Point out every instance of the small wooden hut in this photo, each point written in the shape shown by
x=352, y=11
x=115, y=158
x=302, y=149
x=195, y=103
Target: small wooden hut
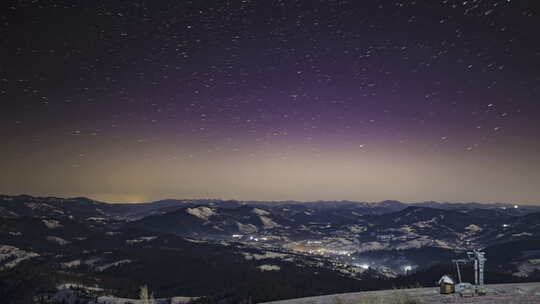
x=447, y=285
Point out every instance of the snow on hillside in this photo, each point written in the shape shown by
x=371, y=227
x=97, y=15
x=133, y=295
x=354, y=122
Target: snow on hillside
x=57, y=240
x=268, y=223
x=522, y=234
x=426, y=224
x=96, y=219
x=96, y=263
x=266, y=255
x=357, y=228
x=114, y=264
x=141, y=239
x=195, y=241
x=92, y=261
x=75, y=285
x=527, y=267
x=371, y=246
x=71, y=264
x=11, y=256
x=246, y=228
x=260, y=211
x=473, y=228
x=41, y=205
x=52, y=224
x=442, y=244
x=269, y=268
x=201, y=212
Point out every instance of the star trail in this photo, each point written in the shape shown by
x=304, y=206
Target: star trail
x=131, y=101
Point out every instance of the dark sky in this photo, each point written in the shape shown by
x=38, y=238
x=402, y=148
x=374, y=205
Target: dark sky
x=130, y=101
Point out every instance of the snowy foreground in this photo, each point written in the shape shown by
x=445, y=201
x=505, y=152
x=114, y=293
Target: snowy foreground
x=521, y=293
x=114, y=300
x=66, y=294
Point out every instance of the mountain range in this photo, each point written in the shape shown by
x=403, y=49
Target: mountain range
x=261, y=250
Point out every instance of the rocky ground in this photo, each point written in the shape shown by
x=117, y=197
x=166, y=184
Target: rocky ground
x=522, y=293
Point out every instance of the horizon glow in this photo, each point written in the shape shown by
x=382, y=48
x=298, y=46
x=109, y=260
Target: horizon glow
x=137, y=102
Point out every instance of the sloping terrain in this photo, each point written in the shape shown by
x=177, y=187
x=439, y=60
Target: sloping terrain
x=523, y=293
x=232, y=251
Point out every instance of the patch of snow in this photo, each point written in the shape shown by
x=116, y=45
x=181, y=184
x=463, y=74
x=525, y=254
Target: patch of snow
x=34, y=206
x=114, y=264
x=522, y=234
x=406, y=229
x=269, y=268
x=92, y=261
x=195, y=241
x=246, y=228
x=218, y=228
x=268, y=223
x=181, y=300
x=260, y=211
x=266, y=255
x=422, y=241
x=57, y=240
x=52, y=224
x=141, y=239
x=473, y=228
x=201, y=212
x=443, y=244
x=369, y=246
x=357, y=228
x=96, y=219
x=75, y=285
x=11, y=256
x=426, y=224
x=71, y=264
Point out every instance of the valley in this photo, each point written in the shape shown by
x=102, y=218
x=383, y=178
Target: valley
x=259, y=250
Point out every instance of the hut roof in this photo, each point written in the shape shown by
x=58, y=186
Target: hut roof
x=446, y=279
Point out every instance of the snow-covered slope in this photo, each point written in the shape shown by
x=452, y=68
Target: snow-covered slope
x=497, y=294
x=11, y=256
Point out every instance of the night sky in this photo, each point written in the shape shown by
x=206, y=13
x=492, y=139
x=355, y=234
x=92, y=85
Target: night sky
x=131, y=101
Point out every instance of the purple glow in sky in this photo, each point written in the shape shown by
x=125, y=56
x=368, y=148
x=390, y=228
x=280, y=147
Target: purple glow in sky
x=271, y=100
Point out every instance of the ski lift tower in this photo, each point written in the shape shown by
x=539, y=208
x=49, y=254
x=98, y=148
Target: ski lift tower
x=478, y=258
